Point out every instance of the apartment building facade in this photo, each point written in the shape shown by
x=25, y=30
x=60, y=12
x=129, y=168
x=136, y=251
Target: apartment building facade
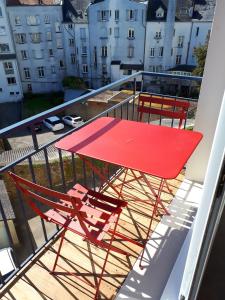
x=101, y=40
x=10, y=83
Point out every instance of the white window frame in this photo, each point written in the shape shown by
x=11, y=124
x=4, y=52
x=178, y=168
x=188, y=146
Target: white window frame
x=1, y=15
x=59, y=43
x=117, y=15
x=26, y=73
x=21, y=38
x=180, y=42
x=35, y=37
x=131, y=33
x=8, y=67
x=85, y=68
x=73, y=58
x=53, y=70
x=71, y=42
x=161, y=50
x=2, y=30
x=17, y=20
x=57, y=27
x=6, y=46
x=12, y=79
x=104, y=51
x=49, y=36
x=61, y=64
x=152, y=52
x=116, y=32
x=33, y=20
x=24, y=54
x=178, y=59
x=130, y=53
x=158, y=35
x=50, y=52
x=41, y=72
x=47, y=19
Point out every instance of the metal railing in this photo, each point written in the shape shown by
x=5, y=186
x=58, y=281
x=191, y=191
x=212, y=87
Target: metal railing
x=67, y=169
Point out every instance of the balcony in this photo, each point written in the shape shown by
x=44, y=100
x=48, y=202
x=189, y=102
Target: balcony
x=36, y=241
x=34, y=248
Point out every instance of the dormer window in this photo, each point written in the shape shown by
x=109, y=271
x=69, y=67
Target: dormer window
x=160, y=12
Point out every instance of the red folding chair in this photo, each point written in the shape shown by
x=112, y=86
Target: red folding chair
x=85, y=212
x=166, y=107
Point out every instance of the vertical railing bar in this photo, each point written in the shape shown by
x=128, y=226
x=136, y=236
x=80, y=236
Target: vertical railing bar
x=34, y=137
x=48, y=168
x=114, y=113
x=25, y=218
x=74, y=168
x=121, y=112
x=62, y=170
x=127, y=110
x=93, y=180
x=34, y=180
x=134, y=93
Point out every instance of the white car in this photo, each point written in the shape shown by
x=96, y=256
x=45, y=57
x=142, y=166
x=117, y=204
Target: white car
x=53, y=123
x=73, y=121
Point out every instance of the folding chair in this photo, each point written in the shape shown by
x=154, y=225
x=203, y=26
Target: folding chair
x=166, y=107
x=85, y=212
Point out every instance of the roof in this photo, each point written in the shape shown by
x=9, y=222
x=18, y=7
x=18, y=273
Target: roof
x=131, y=67
x=5, y=202
x=185, y=10
x=32, y=2
x=184, y=68
x=75, y=10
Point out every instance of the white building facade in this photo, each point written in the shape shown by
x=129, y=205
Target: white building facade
x=10, y=83
x=38, y=36
x=100, y=41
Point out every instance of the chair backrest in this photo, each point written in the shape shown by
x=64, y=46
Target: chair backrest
x=166, y=107
x=34, y=193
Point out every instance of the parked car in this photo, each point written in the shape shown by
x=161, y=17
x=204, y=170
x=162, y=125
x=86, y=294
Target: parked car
x=53, y=123
x=73, y=120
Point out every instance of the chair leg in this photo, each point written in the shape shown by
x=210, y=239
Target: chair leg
x=106, y=259
x=59, y=250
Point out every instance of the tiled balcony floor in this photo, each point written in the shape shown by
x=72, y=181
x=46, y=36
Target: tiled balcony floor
x=37, y=283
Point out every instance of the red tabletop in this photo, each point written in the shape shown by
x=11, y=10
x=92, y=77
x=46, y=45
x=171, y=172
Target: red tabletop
x=156, y=150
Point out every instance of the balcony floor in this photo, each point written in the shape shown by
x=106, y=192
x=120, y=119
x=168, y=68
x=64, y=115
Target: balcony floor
x=36, y=282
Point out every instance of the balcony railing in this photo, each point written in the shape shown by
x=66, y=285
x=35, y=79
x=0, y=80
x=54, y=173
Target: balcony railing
x=44, y=164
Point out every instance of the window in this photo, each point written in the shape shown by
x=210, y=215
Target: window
x=130, y=52
x=152, y=52
x=83, y=33
x=158, y=35
x=104, y=51
x=103, y=15
x=57, y=27
x=130, y=33
x=171, y=51
x=160, y=12
x=131, y=15
x=0, y=12
x=41, y=72
x=104, y=69
x=35, y=37
x=70, y=26
x=26, y=73
x=178, y=59
x=11, y=93
x=161, y=51
x=84, y=50
x=8, y=66
x=180, y=41
x=117, y=15
x=38, y=53
x=17, y=20
x=29, y=87
x=33, y=20
x=127, y=72
x=85, y=68
x=47, y=19
x=95, y=57
x=59, y=43
x=116, y=32
x=197, y=31
x=24, y=54
x=61, y=63
x=53, y=69
x=11, y=80
x=73, y=58
x=20, y=38
x=2, y=30
x=50, y=52
x=71, y=42
x=4, y=48
x=49, y=35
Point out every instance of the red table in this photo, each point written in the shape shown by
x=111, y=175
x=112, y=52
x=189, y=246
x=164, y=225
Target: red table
x=149, y=149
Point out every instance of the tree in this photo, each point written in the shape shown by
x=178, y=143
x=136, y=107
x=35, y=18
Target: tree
x=200, y=55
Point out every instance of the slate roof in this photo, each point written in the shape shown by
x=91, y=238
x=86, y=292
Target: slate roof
x=75, y=10
x=185, y=10
x=131, y=67
x=31, y=2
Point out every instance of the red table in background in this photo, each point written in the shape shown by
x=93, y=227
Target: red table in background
x=149, y=149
